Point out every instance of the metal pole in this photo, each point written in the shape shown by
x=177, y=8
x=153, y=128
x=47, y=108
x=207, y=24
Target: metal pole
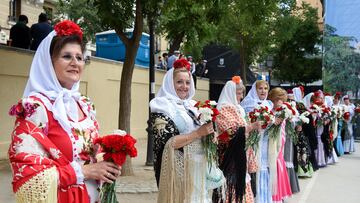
x=150, y=143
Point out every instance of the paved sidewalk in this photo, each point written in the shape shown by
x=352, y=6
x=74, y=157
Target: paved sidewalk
x=130, y=189
x=332, y=184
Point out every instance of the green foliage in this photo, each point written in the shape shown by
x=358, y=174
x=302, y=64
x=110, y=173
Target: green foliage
x=296, y=35
x=247, y=26
x=83, y=13
x=190, y=22
x=116, y=13
x=341, y=62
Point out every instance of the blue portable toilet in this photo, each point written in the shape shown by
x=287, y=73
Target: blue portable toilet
x=109, y=46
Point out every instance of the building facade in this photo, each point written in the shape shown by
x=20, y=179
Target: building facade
x=319, y=6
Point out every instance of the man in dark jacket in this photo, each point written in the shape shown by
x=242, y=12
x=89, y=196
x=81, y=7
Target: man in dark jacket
x=20, y=33
x=39, y=31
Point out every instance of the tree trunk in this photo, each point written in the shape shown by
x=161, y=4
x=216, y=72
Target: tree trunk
x=243, y=64
x=131, y=46
x=125, y=100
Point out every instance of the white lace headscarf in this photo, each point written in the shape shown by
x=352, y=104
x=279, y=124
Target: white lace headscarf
x=297, y=94
x=307, y=100
x=43, y=80
x=252, y=100
x=329, y=101
x=167, y=92
x=228, y=97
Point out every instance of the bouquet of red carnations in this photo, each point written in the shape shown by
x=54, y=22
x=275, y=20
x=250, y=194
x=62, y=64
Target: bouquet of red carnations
x=287, y=111
x=265, y=116
x=116, y=147
x=208, y=113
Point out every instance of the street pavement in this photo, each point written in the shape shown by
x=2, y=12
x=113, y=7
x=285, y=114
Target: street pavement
x=333, y=184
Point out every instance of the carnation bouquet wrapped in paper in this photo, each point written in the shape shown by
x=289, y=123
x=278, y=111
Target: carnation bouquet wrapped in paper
x=115, y=147
x=208, y=113
x=259, y=114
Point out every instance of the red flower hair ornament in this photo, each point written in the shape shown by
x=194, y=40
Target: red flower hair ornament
x=182, y=63
x=236, y=79
x=67, y=28
x=337, y=95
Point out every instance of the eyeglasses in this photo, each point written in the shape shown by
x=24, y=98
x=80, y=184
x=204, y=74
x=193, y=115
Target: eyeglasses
x=69, y=58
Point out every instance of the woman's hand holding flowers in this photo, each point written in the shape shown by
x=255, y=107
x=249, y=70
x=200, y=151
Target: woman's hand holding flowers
x=205, y=130
x=278, y=121
x=103, y=170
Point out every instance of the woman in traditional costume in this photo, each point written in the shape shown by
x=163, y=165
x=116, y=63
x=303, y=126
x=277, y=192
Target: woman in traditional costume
x=338, y=144
x=52, y=153
x=232, y=130
x=180, y=164
x=348, y=141
x=279, y=178
x=260, y=181
x=302, y=164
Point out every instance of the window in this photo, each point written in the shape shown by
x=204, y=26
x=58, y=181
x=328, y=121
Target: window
x=14, y=9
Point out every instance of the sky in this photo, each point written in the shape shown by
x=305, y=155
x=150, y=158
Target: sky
x=344, y=15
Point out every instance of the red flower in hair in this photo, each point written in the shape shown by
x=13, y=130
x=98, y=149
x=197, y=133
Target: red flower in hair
x=182, y=63
x=236, y=79
x=290, y=91
x=337, y=95
x=67, y=28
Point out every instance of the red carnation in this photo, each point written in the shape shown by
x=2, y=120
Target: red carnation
x=67, y=28
x=279, y=109
x=215, y=114
x=346, y=116
x=197, y=104
x=357, y=109
x=224, y=137
x=182, y=63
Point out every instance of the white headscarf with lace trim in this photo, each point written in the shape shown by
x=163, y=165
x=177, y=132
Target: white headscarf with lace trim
x=228, y=97
x=329, y=101
x=166, y=97
x=307, y=100
x=297, y=94
x=252, y=100
x=43, y=80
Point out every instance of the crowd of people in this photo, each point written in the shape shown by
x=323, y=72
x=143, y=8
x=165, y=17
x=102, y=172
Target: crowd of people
x=197, y=69
x=265, y=141
x=22, y=36
x=261, y=150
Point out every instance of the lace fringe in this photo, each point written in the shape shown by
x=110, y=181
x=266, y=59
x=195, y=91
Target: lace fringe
x=42, y=188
